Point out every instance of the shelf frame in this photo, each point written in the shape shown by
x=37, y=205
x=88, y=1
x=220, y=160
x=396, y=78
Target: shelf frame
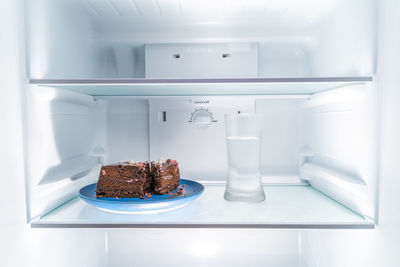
x=202, y=87
x=281, y=210
x=207, y=226
x=352, y=79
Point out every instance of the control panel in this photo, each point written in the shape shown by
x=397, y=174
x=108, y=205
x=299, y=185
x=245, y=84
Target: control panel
x=202, y=117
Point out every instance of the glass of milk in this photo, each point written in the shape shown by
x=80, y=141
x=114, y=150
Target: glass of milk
x=243, y=140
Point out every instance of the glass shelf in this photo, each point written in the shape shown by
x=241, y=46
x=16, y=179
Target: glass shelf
x=177, y=87
x=286, y=206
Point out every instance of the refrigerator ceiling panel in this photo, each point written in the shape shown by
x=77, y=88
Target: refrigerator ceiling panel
x=106, y=38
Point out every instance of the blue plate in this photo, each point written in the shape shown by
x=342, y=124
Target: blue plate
x=156, y=203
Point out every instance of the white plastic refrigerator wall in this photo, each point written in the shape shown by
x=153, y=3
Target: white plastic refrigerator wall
x=61, y=122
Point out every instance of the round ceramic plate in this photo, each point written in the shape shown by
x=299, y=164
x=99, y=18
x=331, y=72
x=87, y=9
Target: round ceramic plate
x=156, y=203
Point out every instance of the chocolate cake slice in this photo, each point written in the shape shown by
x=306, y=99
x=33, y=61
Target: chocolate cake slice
x=165, y=175
x=126, y=179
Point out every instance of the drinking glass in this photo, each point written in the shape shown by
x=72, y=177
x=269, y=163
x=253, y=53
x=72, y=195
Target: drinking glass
x=243, y=139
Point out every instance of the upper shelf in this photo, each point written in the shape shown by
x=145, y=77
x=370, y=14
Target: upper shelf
x=177, y=87
x=286, y=206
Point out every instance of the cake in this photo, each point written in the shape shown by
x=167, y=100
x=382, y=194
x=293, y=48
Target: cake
x=130, y=179
x=165, y=175
x=127, y=179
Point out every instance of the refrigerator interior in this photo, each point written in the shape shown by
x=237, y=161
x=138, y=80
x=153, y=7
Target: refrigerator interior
x=135, y=80
x=106, y=247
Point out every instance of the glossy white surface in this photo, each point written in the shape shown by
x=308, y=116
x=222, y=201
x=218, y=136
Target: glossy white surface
x=284, y=207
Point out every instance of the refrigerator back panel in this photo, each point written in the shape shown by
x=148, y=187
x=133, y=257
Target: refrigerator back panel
x=107, y=38
x=192, y=131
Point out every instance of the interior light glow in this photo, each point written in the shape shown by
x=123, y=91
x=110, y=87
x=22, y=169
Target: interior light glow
x=204, y=248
